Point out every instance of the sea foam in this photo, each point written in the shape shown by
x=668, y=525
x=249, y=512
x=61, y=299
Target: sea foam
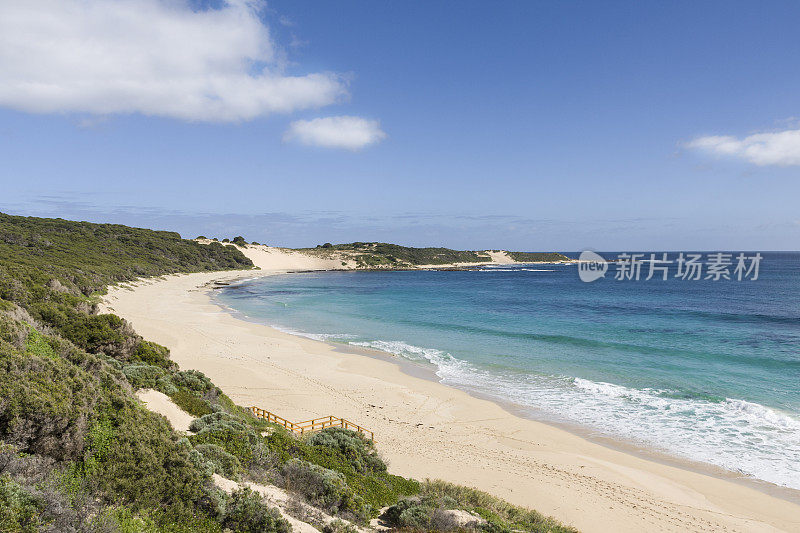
x=734, y=434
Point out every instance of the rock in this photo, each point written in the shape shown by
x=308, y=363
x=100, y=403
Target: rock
x=456, y=519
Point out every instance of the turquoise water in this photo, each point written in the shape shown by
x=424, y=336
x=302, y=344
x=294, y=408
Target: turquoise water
x=700, y=369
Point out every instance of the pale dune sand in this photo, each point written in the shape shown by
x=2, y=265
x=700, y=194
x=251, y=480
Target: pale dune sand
x=160, y=403
x=425, y=429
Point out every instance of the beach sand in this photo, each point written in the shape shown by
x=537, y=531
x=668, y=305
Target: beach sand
x=428, y=430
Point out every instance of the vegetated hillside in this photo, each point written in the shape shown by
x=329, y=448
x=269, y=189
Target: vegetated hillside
x=79, y=453
x=538, y=257
x=384, y=255
x=90, y=256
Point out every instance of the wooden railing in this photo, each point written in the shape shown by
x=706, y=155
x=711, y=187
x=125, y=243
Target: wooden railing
x=309, y=426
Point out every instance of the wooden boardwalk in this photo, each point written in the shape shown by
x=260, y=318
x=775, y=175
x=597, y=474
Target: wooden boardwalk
x=310, y=426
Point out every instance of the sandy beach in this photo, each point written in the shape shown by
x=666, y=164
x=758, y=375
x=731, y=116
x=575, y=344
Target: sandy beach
x=425, y=429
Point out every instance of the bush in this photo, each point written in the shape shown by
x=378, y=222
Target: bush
x=19, y=510
x=324, y=488
x=435, y=496
x=153, y=354
x=190, y=403
x=246, y=512
x=221, y=461
x=144, y=376
x=415, y=517
x=239, y=241
x=164, y=384
x=219, y=421
x=359, y=451
x=339, y=526
x=194, y=380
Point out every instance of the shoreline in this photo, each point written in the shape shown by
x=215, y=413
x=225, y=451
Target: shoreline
x=427, y=429
x=428, y=372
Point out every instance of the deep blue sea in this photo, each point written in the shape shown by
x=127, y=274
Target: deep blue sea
x=706, y=370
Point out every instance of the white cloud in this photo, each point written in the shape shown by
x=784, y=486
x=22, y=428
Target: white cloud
x=351, y=133
x=780, y=148
x=155, y=57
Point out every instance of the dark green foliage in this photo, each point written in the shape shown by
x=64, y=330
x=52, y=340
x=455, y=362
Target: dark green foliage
x=193, y=380
x=256, y=243
x=73, y=407
x=153, y=354
x=41, y=258
x=37, y=344
x=247, y=514
x=94, y=333
x=420, y=512
x=221, y=461
x=144, y=376
x=358, y=450
x=239, y=241
x=413, y=516
x=19, y=510
x=190, y=402
x=219, y=421
x=86, y=257
x=47, y=401
x=383, y=255
x=537, y=257
x=373, y=254
x=324, y=488
x=365, y=474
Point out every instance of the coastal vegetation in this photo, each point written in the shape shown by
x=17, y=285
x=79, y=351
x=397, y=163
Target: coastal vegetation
x=79, y=452
x=384, y=255
x=538, y=257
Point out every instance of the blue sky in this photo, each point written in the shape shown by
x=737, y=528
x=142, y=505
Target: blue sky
x=522, y=125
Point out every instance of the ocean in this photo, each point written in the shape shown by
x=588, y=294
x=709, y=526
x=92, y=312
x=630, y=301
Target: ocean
x=705, y=370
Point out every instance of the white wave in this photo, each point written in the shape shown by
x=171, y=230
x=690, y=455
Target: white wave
x=496, y=269
x=741, y=436
x=314, y=336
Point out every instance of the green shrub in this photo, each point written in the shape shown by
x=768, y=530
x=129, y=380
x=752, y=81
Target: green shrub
x=142, y=376
x=358, y=450
x=324, y=488
x=164, y=384
x=415, y=517
x=37, y=344
x=193, y=380
x=221, y=461
x=19, y=510
x=247, y=513
x=219, y=421
x=190, y=403
x=153, y=354
x=419, y=512
x=339, y=526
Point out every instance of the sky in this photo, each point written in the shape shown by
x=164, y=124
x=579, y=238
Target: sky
x=521, y=125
